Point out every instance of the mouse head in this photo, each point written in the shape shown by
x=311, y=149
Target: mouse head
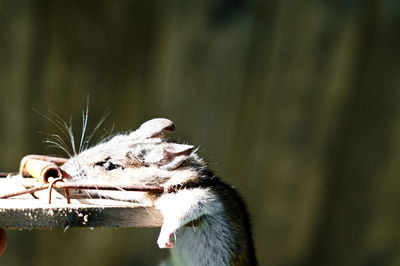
x=142, y=157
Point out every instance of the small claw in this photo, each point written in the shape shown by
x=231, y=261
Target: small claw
x=169, y=243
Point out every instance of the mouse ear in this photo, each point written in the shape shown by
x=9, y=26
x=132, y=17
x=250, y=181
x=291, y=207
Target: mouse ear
x=154, y=128
x=174, y=149
x=174, y=155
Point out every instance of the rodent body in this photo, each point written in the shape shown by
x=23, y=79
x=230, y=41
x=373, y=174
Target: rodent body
x=205, y=220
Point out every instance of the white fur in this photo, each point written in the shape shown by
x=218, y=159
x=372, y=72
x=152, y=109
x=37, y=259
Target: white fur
x=207, y=244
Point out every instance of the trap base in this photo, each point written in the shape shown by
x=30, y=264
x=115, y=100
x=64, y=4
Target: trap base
x=32, y=211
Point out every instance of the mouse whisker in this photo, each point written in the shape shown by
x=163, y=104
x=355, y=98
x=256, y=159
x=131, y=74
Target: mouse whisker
x=85, y=116
x=67, y=129
x=101, y=121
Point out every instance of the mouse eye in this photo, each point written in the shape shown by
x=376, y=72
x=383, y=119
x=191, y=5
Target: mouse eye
x=107, y=165
x=111, y=166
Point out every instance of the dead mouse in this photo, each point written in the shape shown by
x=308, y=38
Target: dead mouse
x=221, y=232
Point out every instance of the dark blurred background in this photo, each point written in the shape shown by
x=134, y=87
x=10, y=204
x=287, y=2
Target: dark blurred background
x=295, y=103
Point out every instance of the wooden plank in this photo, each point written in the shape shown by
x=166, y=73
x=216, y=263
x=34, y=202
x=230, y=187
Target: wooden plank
x=29, y=213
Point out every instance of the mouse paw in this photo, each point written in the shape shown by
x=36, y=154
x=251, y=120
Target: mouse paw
x=166, y=241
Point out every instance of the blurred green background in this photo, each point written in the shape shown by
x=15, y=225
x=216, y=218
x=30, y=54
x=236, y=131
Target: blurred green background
x=295, y=103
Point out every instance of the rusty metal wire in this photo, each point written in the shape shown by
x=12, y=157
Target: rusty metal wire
x=60, y=184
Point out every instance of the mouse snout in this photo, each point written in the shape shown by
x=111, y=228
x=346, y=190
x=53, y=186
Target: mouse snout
x=72, y=170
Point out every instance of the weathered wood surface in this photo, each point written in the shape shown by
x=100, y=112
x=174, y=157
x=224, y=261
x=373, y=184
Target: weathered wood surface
x=28, y=212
